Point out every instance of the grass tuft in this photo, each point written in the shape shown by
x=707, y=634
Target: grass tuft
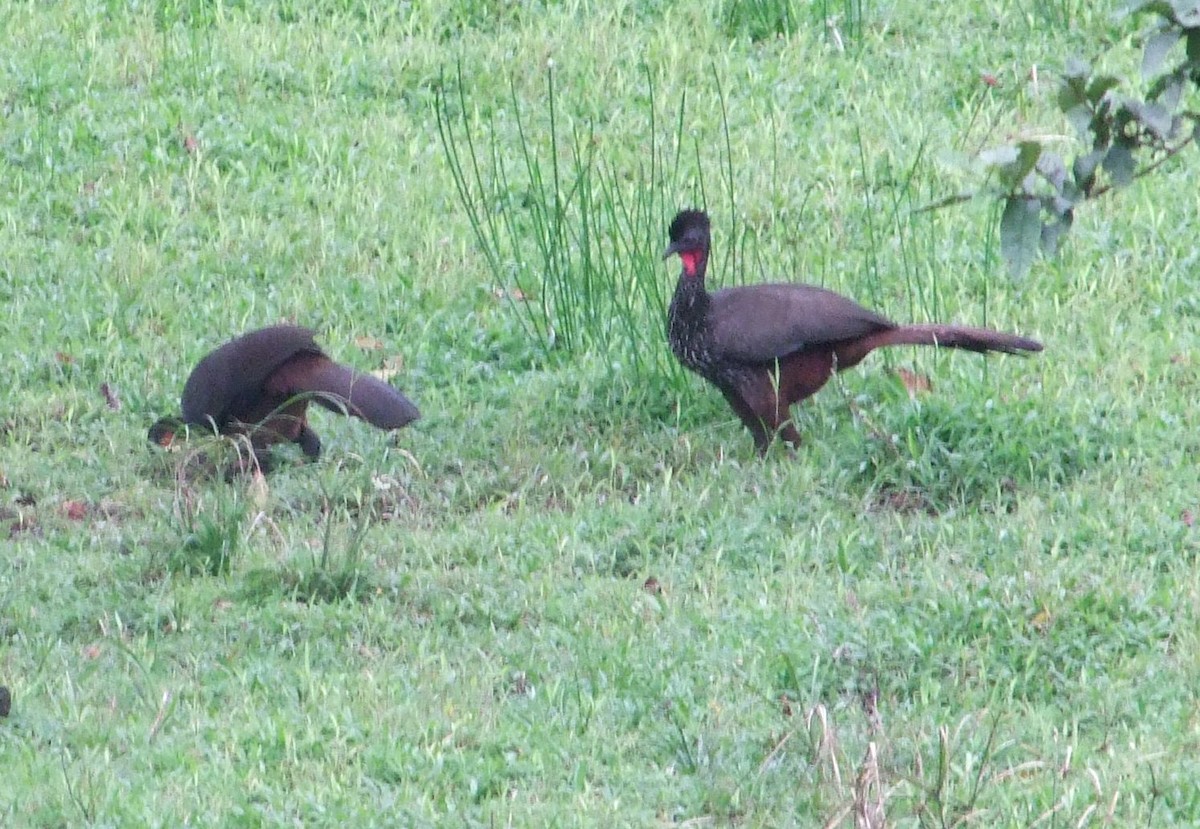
x=573, y=242
x=841, y=21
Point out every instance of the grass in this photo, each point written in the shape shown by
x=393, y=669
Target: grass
x=571, y=595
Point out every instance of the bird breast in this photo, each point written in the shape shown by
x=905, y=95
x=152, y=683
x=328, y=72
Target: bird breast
x=687, y=331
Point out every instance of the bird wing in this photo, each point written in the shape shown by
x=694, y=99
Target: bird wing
x=233, y=376
x=759, y=323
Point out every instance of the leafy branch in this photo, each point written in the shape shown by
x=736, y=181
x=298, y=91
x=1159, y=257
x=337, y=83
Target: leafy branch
x=1125, y=138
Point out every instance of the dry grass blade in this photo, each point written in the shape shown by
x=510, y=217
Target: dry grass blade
x=774, y=750
x=159, y=718
x=826, y=749
x=868, y=793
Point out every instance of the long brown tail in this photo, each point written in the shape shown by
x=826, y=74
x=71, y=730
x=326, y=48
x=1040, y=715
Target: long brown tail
x=980, y=340
x=354, y=393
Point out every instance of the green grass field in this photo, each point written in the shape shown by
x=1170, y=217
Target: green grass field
x=572, y=595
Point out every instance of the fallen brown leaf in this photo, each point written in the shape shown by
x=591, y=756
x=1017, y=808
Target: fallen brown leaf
x=110, y=397
x=368, y=343
x=390, y=368
x=1041, y=620
x=914, y=383
x=904, y=500
x=25, y=523
x=74, y=510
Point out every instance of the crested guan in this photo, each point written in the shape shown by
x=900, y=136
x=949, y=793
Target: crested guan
x=260, y=385
x=767, y=347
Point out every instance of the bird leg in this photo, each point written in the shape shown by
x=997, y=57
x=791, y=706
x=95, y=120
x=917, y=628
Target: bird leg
x=750, y=418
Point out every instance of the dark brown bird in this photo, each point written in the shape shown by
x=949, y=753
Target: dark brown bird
x=767, y=347
x=260, y=385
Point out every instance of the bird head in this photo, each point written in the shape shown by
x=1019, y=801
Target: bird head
x=689, y=235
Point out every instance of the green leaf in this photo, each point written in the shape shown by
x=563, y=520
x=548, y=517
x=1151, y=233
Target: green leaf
x=1193, y=45
x=1152, y=116
x=1163, y=8
x=1050, y=239
x=1077, y=69
x=1100, y=86
x=1187, y=13
x=999, y=156
x=1084, y=169
x=1080, y=117
x=1020, y=233
x=1156, y=51
x=1119, y=164
x=1012, y=164
x=1051, y=167
x=1159, y=7
x=1167, y=91
x=1072, y=93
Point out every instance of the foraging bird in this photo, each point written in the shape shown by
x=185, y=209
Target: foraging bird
x=767, y=347
x=260, y=385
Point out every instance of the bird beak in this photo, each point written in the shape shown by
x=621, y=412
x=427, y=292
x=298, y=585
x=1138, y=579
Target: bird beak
x=672, y=249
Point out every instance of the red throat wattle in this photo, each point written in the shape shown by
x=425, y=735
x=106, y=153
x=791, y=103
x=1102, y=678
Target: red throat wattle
x=691, y=261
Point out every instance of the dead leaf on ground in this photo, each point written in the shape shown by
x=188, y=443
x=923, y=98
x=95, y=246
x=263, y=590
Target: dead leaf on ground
x=111, y=508
x=391, y=367
x=110, y=397
x=914, y=383
x=515, y=294
x=22, y=522
x=904, y=501
x=367, y=343
x=1041, y=620
x=91, y=651
x=74, y=510
x=64, y=358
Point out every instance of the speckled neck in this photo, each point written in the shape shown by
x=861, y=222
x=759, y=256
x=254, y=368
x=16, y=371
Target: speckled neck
x=687, y=322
